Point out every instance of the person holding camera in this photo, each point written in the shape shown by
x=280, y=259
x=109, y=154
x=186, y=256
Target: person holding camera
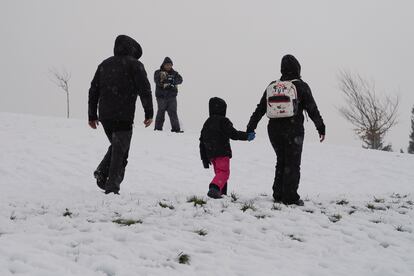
x=166, y=81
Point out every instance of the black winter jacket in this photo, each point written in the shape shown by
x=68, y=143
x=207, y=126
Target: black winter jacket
x=217, y=132
x=162, y=78
x=117, y=83
x=290, y=69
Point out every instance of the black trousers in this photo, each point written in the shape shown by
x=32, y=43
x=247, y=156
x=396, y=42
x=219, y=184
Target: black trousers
x=112, y=166
x=168, y=105
x=288, y=147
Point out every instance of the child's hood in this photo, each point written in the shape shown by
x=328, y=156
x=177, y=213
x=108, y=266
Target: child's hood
x=217, y=106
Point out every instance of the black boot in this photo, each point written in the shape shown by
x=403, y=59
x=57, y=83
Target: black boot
x=224, y=190
x=214, y=191
x=100, y=179
x=298, y=202
x=177, y=130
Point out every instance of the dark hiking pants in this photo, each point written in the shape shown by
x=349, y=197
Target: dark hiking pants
x=112, y=166
x=169, y=105
x=288, y=148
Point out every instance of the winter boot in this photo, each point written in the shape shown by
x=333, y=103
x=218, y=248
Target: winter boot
x=214, y=191
x=177, y=130
x=100, y=179
x=224, y=190
x=298, y=202
x=115, y=191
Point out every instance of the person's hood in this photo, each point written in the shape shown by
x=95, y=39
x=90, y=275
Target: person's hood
x=217, y=106
x=166, y=60
x=127, y=46
x=290, y=68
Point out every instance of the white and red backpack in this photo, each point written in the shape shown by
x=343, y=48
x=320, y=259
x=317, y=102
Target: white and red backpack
x=282, y=99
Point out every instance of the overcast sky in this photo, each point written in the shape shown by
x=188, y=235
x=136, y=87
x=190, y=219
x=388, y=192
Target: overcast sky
x=230, y=49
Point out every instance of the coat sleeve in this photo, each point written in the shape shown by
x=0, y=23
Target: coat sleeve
x=312, y=109
x=203, y=153
x=157, y=78
x=178, y=79
x=231, y=132
x=94, y=97
x=144, y=90
x=257, y=114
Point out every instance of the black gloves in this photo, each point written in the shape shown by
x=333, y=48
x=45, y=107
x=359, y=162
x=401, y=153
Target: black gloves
x=206, y=164
x=169, y=82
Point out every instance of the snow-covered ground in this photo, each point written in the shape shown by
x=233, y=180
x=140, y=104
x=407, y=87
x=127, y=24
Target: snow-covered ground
x=357, y=219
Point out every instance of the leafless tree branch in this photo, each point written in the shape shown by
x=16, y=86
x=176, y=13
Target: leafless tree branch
x=371, y=116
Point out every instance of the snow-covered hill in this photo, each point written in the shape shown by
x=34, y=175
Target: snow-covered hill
x=357, y=219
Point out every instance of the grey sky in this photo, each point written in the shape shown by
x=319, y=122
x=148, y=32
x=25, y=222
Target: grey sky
x=230, y=49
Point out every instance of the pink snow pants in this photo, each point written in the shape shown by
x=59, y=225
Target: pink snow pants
x=222, y=170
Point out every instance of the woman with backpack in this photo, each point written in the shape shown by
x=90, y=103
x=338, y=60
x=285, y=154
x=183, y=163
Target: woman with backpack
x=283, y=102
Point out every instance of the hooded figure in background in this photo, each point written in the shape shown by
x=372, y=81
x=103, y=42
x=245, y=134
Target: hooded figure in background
x=215, y=145
x=118, y=82
x=166, y=91
x=286, y=134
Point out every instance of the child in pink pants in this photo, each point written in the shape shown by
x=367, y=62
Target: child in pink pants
x=215, y=145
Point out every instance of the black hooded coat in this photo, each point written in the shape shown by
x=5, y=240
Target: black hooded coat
x=290, y=69
x=117, y=83
x=286, y=134
x=171, y=77
x=217, y=132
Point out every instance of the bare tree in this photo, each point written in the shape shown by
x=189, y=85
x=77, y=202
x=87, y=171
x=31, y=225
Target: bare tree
x=61, y=79
x=371, y=116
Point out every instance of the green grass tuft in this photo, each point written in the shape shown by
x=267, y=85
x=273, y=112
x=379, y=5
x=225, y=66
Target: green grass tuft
x=67, y=213
x=234, y=197
x=373, y=207
x=379, y=200
x=342, y=202
x=201, y=232
x=335, y=218
x=196, y=200
x=294, y=238
x=165, y=205
x=183, y=258
x=248, y=205
x=127, y=222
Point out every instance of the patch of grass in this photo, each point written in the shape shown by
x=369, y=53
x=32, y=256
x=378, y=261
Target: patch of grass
x=234, y=197
x=410, y=202
x=165, y=205
x=350, y=212
x=400, y=228
x=201, y=232
x=308, y=211
x=248, y=205
x=67, y=213
x=397, y=195
x=263, y=194
x=196, y=200
x=184, y=258
x=260, y=216
x=127, y=222
x=294, y=238
x=12, y=216
x=342, y=202
x=277, y=207
x=373, y=207
x=379, y=200
x=335, y=218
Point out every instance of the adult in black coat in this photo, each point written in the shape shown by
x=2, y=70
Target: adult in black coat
x=166, y=91
x=286, y=134
x=117, y=83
